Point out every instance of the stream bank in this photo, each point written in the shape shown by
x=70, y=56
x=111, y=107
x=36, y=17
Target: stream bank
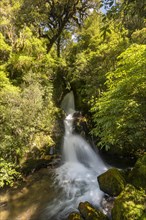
x=26, y=201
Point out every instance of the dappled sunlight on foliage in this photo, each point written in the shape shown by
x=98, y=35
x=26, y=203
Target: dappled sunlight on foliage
x=129, y=205
x=26, y=96
x=48, y=49
x=93, y=57
x=119, y=115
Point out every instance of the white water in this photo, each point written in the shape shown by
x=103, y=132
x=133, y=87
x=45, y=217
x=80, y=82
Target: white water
x=77, y=177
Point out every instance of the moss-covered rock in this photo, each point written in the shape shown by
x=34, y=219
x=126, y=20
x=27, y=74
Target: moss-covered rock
x=129, y=205
x=111, y=182
x=137, y=176
x=143, y=217
x=75, y=216
x=88, y=212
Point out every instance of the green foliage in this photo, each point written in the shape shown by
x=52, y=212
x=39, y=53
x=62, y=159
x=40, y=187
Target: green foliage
x=134, y=14
x=24, y=114
x=91, y=57
x=139, y=36
x=8, y=12
x=129, y=205
x=28, y=57
x=32, y=80
x=5, y=49
x=8, y=173
x=130, y=14
x=27, y=109
x=137, y=176
x=52, y=18
x=119, y=114
x=4, y=81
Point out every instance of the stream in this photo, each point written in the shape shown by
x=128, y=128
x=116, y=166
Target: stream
x=76, y=178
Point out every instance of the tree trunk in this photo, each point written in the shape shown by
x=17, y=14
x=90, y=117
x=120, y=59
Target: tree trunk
x=58, y=46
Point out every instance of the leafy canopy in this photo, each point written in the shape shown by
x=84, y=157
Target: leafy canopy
x=119, y=115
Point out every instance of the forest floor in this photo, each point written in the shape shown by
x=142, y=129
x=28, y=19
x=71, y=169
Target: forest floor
x=29, y=199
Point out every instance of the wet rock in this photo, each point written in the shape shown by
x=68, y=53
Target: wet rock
x=77, y=114
x=137, y=176
x=88, y=212
x=80, y=124
x=55, y=162
x=129, y=205
x=31, y=165
x=112, y=182
x=75, y=216
x=107, y=204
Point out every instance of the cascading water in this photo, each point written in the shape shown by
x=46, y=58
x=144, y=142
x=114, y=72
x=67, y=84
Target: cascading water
x=68, y=104
x=77, y=177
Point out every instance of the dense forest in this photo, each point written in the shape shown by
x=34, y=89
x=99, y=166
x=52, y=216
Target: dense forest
x=47, y=48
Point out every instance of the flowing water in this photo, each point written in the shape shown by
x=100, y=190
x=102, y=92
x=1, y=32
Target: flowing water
x=77, y=176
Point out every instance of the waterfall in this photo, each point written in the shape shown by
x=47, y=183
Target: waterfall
x=77, y=177
x=68, y=104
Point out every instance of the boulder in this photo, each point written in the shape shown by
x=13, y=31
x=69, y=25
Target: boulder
x=88, y=212
x=80, y=124
x=129, y=205
x=111, y=182
x=75, y=216
x=137, y=176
